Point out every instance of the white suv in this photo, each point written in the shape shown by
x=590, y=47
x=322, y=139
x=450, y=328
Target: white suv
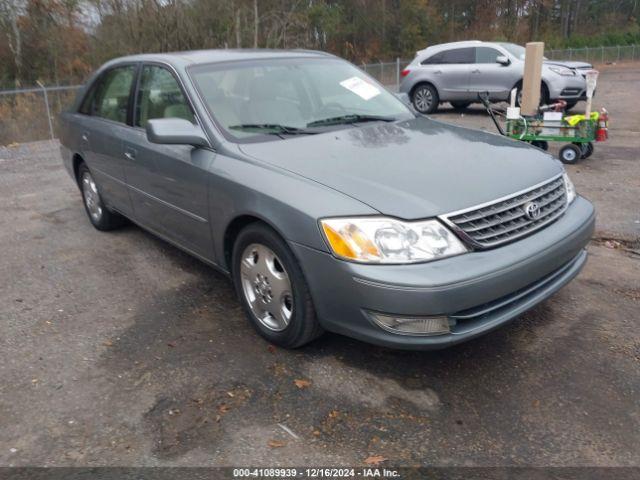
x=457, y=72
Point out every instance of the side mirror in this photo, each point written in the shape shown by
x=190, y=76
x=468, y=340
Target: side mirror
x=404, y=98
x=503, y=60
x=175, y=131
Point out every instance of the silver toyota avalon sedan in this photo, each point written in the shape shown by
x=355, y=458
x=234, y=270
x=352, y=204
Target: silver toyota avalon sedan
x=330, y=203
x=456, y=72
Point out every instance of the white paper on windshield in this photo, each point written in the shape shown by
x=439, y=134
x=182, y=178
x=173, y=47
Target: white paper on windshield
x=361, y=88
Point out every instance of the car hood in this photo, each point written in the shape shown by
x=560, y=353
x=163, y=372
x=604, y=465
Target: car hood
x=412, y=169
x=578, y=65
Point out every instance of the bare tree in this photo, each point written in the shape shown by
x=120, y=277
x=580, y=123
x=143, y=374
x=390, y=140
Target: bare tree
x=10, y=10
x=256, y=23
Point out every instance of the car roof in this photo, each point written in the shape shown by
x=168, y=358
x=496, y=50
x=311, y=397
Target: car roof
x=445, y=46
x=192, y=57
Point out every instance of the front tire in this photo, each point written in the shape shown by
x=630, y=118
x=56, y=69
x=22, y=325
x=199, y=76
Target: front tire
x=272, y=289
x=425, y=98
x=544, y=95
x=99, y=215
x=570, y=105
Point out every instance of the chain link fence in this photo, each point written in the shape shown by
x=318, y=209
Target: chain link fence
x=31, y=114
x=387, y=73
x=619, y=53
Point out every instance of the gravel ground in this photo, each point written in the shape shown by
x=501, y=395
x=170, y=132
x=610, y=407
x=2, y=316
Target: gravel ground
x=118, y=349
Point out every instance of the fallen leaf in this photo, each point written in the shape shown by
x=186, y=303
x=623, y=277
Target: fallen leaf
x=231, y=394
x=302, y=383
x=171, y=344
x=271, y=349
x=333, y=413
x=316, y=433
x=276, y=444
x=108, y=343
x=374, y=460
x=223, y=408
x=536, y=403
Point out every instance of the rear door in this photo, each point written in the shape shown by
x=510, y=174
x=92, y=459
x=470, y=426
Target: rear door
x=103, y=123
x=487, y=75
x=451, y=70
x=168, y=183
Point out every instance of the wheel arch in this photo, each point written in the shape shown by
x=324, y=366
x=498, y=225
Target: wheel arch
x=233, y=229
x=77, y=160
x=423, y=82
x=543, y=82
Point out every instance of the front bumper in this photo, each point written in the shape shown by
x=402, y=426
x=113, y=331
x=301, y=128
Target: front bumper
x=566, y=88
x=479, y=291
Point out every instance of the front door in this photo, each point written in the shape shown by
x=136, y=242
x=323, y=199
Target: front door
x=168, y=184
x=487, y=75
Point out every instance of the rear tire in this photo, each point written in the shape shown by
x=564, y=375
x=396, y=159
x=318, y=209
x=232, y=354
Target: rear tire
x=460, y=105
x=99, y=215
x=570, y=154
x=272, y=289
x=425, y=98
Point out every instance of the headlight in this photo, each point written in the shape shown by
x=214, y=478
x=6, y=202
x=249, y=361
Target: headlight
x=386, y=240
x=571, y=190
x=565, y=72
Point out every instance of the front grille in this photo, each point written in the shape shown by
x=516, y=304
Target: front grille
x=505, y=220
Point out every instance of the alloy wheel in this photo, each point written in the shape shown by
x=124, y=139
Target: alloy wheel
x=266, y=287
x=91, y=197
x=422, y=99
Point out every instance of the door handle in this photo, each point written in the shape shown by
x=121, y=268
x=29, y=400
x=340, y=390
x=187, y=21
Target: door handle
x=438, y=72
x=130, y=154
x=85, y=137
x=475, y=71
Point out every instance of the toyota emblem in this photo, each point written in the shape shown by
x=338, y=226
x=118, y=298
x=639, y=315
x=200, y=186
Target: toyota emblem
x=531, y=210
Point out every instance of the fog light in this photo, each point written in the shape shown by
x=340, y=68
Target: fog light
x=412, y=325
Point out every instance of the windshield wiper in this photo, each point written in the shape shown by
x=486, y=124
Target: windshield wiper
x=272, y=129
x=351, y=118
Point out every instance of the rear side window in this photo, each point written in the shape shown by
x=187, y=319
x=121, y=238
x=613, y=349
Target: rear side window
x=160, y=96
x=109, y=98
x=487, y=55
x=459, y=55
x=453, y=56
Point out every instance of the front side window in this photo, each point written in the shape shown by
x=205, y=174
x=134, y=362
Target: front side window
x=486, y=55
x=160, y=96
x=515, y=50
x=249, y=99
x=110, y=97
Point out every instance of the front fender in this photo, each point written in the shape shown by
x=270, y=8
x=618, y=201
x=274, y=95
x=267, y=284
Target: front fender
x=289, y=203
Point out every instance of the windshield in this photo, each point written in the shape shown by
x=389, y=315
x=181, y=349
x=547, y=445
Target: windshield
x=515, y=50
x=292, y=96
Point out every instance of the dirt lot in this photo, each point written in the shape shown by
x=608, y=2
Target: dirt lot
x=118, y=349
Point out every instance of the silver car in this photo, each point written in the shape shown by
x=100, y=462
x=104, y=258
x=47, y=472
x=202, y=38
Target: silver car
x=457, y=72
x=329, y=203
